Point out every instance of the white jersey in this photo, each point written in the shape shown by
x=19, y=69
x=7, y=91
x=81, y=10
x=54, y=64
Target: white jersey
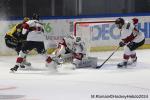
x=79, y=47
x=69, y=42
x=35, y=30
x=129, y=33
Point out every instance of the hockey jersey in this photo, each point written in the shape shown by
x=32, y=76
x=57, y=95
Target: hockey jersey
x=129, y=33
x=34, y=29
x=79, y=47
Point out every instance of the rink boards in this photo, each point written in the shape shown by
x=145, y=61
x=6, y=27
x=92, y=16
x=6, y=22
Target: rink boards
x=103, y=36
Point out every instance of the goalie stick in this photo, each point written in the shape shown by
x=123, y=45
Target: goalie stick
x=107, y=58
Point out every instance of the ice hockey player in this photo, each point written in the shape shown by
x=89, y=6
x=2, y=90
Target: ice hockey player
x=14, y=39
x=35, y=37
x=73, y=47
x=131, y=39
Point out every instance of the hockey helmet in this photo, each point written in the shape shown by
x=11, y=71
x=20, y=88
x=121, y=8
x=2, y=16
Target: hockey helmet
x=35, y=16
x=119, y=22
x=25, y=19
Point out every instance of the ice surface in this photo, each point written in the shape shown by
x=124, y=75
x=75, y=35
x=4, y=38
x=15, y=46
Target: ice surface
x=38, y=83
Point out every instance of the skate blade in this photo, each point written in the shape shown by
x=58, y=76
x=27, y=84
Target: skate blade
x=121, y=67
x=11, y=71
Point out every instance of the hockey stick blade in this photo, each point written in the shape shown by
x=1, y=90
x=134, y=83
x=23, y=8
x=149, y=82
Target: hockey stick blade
x=107, y=58
x=97, y=67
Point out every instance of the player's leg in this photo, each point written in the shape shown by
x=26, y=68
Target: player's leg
x=19, y=61
x=133, y=46
x=18, y=47
x=77, y=59
x=28, y=46
x=25, y=62
x=133, y=57
x=49, y=61
x=126, y=56
x=129, y=51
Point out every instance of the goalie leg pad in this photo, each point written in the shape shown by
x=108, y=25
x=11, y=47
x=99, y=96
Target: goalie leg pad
x=67, y=57
x=87, y=62
x=78, y=56
x=76, y=62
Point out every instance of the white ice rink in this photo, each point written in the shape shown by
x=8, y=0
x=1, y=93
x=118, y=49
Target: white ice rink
x=79, y=84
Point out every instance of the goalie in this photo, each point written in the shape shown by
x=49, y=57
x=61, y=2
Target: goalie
x=70, y=49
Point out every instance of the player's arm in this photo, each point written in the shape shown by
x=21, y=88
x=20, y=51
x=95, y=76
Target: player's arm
x=132, y=33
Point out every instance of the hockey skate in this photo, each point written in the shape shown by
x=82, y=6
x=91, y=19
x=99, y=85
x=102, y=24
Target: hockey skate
x=15, y=68
x=133, y=61
x=122, y=64
x=22, y=66
x=26, y=63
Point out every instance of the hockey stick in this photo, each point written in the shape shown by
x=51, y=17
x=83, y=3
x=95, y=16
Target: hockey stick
x=107, y=58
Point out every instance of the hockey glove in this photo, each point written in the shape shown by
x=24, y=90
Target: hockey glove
x=121, y=44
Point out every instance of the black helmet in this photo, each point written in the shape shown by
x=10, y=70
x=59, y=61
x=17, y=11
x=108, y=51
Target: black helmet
x=119, y=21
x=35, y=16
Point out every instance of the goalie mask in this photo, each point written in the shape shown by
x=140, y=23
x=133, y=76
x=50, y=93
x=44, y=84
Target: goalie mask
x=78, y=39
x=119, y=22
